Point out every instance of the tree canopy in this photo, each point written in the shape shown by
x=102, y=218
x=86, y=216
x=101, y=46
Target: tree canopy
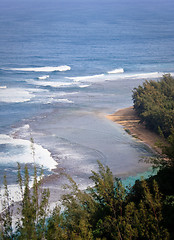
x=105, y=211
x=154, y=103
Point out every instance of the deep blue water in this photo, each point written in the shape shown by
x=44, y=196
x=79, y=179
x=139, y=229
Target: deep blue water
x=63, y=108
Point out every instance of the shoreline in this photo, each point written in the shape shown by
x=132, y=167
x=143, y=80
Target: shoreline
x=128, y=118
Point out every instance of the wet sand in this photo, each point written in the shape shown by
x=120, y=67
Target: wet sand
x=128, y=118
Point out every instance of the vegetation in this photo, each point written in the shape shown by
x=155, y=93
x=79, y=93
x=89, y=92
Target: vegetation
x=32, y=210
x=106, y=211
x=154, y=103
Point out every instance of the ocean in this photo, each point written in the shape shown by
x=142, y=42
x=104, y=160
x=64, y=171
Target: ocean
x=65, y=65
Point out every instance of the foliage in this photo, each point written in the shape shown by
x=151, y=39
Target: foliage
x=105, y=211
x=6, y=214
x=34, y=208
x=154, y=103
x=32, y=211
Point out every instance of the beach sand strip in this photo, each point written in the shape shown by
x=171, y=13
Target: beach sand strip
x=128, y=118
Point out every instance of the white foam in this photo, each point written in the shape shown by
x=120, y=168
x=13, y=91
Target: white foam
x=117, y=76
x=18, y=95
x=84, y=86
x=65, y=93
x=62, y=68
x=50, y=83
x=143, y=76
x=22, y=131
x=86, y=78
x=61, y=100
x=43, y=77
x=48, y=97
x=117, y=70
x=56, y=95
x=64, y=100
x=3, y=87
x=146, y=75
x=15, y=95
x=22, y=153
x=60, y=84
x=25, y=127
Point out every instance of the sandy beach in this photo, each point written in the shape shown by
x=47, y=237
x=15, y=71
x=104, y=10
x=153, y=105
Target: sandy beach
x=128, y=118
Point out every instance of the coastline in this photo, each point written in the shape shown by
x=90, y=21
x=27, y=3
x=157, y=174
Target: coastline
x=128, y=118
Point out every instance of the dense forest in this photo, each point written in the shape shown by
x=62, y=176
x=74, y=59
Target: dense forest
x=154, y=103
x=108, y=210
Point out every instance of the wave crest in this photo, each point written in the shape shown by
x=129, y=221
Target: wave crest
x=51, y=83
x=43, y=77
x=62, y=68
x=18, y=95
x=85, y=78
x=22, y=153
x=117, y=70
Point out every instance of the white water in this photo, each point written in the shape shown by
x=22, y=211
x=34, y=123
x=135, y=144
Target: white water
x=87, y=78
x=15, y=95
x=18, y=95
x=51, y=83
x=43, y=77
x=84, y=86
x=42, y=69
x=117, y=76
x=61, y=100
x=117, y=70
x=21, y=152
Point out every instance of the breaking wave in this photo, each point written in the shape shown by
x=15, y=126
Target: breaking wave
x=60, y=100
x=117, y=70
x=18, y=95
x=62, y=68
x=43, y=77
x=50, y=83
x=117, y=76
x=86, y=78
x=84, y=86
x=15, y=95
x=19, y=150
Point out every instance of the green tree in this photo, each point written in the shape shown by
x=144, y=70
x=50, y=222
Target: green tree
x=104, y=211
x=154, y=103
x=150, y=214
x=34, y=207
x=6, y=231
